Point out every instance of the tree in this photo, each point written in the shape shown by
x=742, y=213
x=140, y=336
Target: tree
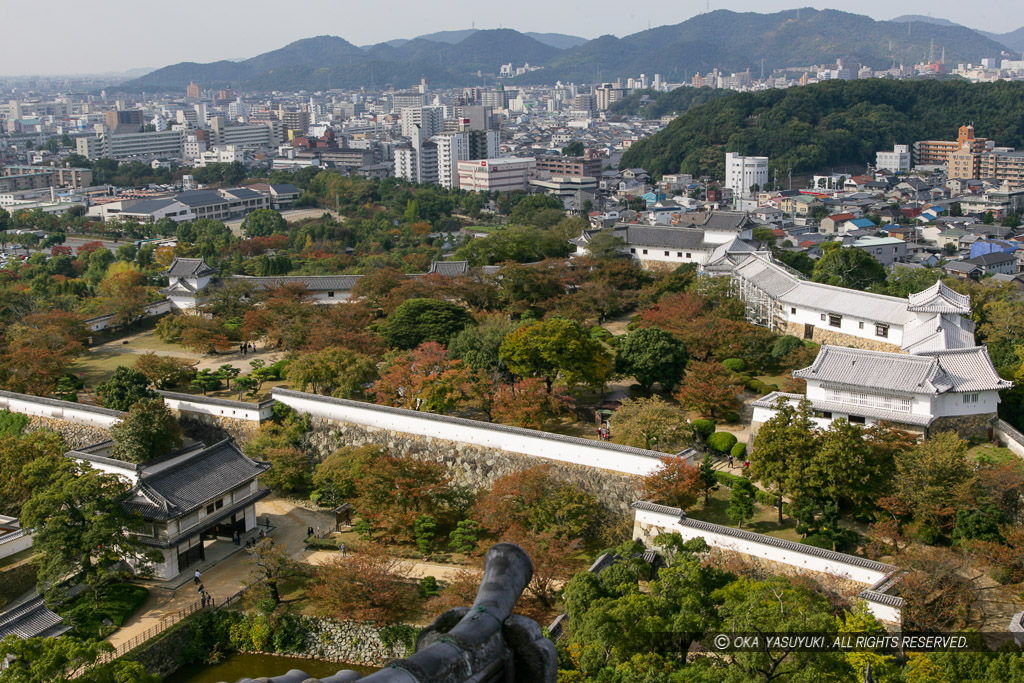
x=709, y=389
x=270, y=564
x=125, y=294
x=708, y=480
x=784, y=449
x=337, y=372
x=124, y=388
x=39, y=349
x=368, y=585
x=263, y=222
x=426, y=379
x=417, y=321
x=80, y=526
x=651, y=355
x=205, y=380
x=935, y=479
x=464, y=537
x=165, y=372
x=650, y=423
x=535, y=501
x=573, y=149
x=556, y=349
x=529, y=403
x=149, y=430
x=605, y=245
x=426, y=533
x=849, y=267
x=675, y=483
x=741, y=501
x=65, y=659
x=16, y=451
x=478, y=345
x=291, y=470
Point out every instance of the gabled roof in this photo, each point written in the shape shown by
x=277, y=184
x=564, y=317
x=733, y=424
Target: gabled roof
x=189, y=267
x=449, y=267
x=149, y=206
x=720, y=221
x=831, y=299
x=877, y=371
x=661, y=237
x=942, y=331
x=314, y=283
x=200, y=198
x=992, y=258
x=31, y=619
x=939, y=298
x=969, y=369
x=194, y=481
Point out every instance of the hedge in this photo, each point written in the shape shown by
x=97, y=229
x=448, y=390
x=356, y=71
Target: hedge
x=739, y=451
x=726, y=479
x=734, y=364
x=722, y=441
x=703, y=428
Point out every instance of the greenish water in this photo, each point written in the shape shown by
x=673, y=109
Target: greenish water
x=253, y=666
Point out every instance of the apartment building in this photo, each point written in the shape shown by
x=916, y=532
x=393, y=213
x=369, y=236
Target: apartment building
x=1005, y=166
x=463, y=145
x=53, y=176
x=127, y=146
x=429, y=119
x=936, y=152
x=589, y=165
x=246, y=136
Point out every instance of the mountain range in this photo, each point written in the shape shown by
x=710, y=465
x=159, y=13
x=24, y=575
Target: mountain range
x=728, y=40
x=1013, y=40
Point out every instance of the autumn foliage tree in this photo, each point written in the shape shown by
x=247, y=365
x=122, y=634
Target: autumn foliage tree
x=36, y=351
x=529, y=403
x=426, y=378
x=337, y=372
x=675, y=483
x=709, y=389
x=367, y=585
x=535, y=501
x=650, y=423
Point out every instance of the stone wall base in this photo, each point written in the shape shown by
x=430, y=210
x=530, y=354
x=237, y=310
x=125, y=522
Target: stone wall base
x=970, y=427
x=476, y=466
x=75, y=435
x=826, y=335
x=213, y=428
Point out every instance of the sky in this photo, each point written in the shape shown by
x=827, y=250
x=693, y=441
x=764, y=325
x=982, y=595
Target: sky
x=119, y=35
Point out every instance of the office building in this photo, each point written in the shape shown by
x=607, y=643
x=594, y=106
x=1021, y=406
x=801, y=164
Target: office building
x=246, y=136
x=590, y=165
x=192, y=91
x=743, y=173
x=407, y=100
x=129, y=119
x=127, y=146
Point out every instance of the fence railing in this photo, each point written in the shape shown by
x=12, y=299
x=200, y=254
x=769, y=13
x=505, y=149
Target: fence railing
x=167, y=622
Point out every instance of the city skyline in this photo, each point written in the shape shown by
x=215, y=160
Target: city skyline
x=181, y=39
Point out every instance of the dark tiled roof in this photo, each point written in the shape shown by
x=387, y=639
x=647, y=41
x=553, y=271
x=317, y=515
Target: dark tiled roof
x=189, y=267
x=718, y=220
x=31, y=619
x=194, y=481
x=314, y=283
x=150, y=206
x=285, y=188
x=449, y=267
x=668, y=238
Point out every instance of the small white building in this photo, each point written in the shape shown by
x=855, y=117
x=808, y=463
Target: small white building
x=507, y=174
x=897, y=161
x=189, y=499
x=185, y=279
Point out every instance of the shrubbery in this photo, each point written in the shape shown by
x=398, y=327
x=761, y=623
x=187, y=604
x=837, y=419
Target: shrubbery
x=739, y=451
x=734, y=364
x=722, y=441
x=702, y=429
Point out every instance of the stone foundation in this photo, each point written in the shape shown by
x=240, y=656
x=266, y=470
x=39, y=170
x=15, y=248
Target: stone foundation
x=970, y=427
x=826, y=335
x=212, y=428
x=75, y=435
x=475, y=466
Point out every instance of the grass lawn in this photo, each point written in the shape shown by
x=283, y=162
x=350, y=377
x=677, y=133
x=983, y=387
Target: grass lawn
x=148, y=341
x=988, y=454
x=483, y=228
x=99, y=366
x=116, y=603
x=765, y=521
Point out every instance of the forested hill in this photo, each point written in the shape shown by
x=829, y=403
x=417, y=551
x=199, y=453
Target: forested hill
x=829, y=124
x=652, y=104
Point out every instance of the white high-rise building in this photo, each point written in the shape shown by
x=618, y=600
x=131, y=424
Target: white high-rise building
x=897, y=160
x=742, y=173
x=463, y=145
x=430, y=121
x=417, y=160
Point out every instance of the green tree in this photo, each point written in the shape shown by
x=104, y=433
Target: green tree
x=464, y=537
x=65, y=659
x=263, y=222
x=16, y=451
x=425, y=530
x=708, y=480
x=416, y=321
x=269, y=565
x=650, y=423
x=80, y=526
x=337, y=372
x=849, y=267
x=478, y=345
x=934, y=479
x=784, y=449
x=605, y=245
x=741, y=501
x=651, y=355
x=291, y=470
x=573, y=149
x=124, y=388
x=149, y=430
x=556, y=349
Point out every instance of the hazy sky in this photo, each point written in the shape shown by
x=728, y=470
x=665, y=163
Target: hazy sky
x=65, y=36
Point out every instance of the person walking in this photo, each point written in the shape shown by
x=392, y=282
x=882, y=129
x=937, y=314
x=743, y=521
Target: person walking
x=195, y=577
x=236, y=539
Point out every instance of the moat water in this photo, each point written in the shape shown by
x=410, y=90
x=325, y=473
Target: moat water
x=238, y=666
